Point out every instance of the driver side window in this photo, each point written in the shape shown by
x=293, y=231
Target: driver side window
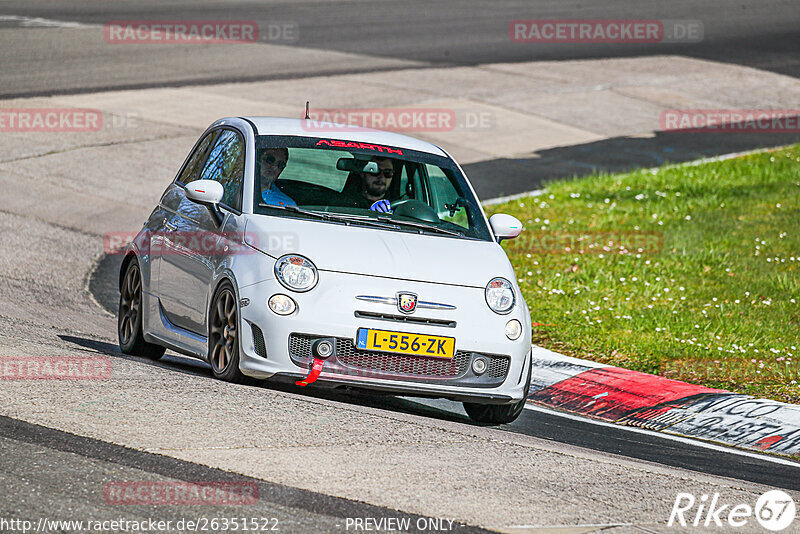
x=192, y=168
x=225, y=165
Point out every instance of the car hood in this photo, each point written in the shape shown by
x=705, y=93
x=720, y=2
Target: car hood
x=377, y=252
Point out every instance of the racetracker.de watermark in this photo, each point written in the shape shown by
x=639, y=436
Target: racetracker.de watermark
x=63, y=120
x=733, y=369
x=395, y=120
x=55, y=368
x=181, y=493
x=198, y=32
x=589, y=242
x=730, y=120
x=555, y=31
x=50, y=120
x=205, y=243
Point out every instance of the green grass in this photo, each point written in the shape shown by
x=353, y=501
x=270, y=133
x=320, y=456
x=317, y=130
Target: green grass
x=706, y=288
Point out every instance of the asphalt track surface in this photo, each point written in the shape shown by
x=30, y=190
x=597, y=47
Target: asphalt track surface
x=386, y=36
x=54, y=472
x=761, y=34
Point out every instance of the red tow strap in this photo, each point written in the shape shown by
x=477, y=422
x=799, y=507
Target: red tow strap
x=316, y=369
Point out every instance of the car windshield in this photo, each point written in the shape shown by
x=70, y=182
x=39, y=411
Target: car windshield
x=364, y=184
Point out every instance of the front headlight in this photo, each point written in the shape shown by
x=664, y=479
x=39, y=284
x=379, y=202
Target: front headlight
x=500, y=295
x=296, y=272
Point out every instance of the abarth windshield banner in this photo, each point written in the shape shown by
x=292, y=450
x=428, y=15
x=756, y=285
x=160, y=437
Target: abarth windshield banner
x=356, y=147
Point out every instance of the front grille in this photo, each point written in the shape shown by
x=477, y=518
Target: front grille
x=498, y=367
x=300, y=348
x=405, y=319
x=362, y=361
x=258, y=341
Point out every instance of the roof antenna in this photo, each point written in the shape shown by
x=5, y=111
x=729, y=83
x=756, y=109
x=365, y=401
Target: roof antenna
x=307, y=117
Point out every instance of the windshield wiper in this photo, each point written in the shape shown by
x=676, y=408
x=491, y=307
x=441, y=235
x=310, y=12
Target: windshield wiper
x=421, y=226
x=326, y=216
x=395, y=223
x=295, y=209
x=347, y=219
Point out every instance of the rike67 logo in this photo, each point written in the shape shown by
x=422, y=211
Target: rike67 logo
x=774, y=510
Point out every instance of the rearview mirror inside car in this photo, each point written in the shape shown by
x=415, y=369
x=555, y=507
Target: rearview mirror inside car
x=357, y=165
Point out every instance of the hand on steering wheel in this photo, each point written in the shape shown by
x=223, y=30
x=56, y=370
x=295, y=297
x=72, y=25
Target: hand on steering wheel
x=384, y=206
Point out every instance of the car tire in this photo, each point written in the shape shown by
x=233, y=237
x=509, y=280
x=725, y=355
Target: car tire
x=129, y=316
x=223, y=335
x=498, y=414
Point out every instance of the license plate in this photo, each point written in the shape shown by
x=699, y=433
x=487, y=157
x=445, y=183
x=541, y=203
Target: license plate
x=405, y=343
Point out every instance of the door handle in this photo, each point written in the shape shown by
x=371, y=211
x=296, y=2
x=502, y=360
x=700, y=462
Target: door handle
x=169, y=226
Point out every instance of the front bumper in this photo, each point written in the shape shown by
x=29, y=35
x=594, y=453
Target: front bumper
x=276, y=346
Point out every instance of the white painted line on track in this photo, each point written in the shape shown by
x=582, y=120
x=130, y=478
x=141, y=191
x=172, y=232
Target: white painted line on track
x=38, y=22
x=509, y=198
x=664, y=435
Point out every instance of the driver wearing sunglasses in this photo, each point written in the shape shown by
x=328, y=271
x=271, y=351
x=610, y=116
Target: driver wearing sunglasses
x=375, y=187
x=272, y=162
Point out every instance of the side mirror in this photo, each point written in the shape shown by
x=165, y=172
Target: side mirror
x=505, y=226
x=206, y=192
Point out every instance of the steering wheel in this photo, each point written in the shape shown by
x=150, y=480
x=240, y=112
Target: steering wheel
x=415, y=209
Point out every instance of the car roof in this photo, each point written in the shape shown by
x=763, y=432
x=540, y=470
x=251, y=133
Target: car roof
x=329, y=130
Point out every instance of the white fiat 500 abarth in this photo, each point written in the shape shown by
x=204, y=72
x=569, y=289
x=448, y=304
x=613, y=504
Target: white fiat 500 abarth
x=338, y=256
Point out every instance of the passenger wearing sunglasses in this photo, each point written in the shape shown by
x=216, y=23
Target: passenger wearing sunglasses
x=273, y=161
x=375, y=187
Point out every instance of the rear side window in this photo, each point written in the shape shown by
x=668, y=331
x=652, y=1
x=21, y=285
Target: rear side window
x=192, y=168
x=225, y=165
